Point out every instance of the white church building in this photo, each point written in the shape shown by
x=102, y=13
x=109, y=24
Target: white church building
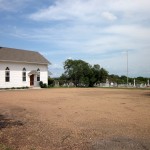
x=21, y=68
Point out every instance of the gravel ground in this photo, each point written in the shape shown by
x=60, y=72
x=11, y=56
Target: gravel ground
x=75, y=119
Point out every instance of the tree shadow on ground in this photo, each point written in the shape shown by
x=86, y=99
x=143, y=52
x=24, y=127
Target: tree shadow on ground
x=7, y=122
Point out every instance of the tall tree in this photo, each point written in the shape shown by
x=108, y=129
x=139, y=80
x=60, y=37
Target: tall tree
x=77, y=70
x=103, y=75
x=82, y=73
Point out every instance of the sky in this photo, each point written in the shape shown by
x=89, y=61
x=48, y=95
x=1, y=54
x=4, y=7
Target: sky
x=96, y=31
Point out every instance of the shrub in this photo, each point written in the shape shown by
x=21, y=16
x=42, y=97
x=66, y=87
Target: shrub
x=42, y=85
x=18, y=88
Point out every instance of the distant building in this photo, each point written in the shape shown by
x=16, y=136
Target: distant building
x=20, y=68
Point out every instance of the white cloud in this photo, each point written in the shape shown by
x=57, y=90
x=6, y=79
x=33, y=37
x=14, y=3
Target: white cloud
x=129, y=6
x=135, y=31
x=94, y=10
x=86, y=39
x=109, y=16
x=67, y=10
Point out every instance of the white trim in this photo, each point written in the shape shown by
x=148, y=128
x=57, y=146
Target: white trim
x=25, y=62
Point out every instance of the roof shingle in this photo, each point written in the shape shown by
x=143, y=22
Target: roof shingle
x=18, y=55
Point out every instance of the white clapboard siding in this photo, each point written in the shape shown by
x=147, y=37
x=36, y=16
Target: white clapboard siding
x=16, y=74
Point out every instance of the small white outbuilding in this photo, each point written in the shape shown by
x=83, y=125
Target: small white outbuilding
x=21, y=68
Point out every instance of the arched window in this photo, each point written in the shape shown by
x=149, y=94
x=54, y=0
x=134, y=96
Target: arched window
x=7, y=75
x=24, y=74
x=38, y=74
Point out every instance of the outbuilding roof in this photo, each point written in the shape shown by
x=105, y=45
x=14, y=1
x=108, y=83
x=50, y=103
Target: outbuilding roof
x=19, y=55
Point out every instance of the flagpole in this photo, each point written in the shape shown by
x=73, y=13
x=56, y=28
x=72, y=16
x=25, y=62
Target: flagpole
x=127, y=69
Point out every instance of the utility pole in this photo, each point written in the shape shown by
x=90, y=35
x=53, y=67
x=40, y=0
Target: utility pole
x=127, y=68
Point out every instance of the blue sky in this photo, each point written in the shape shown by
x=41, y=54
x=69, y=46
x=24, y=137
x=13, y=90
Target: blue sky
x=96, y=31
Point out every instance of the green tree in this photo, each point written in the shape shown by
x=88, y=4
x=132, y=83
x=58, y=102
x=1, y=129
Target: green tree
x=82, y=73
x=50, y=81
x=103, y=75
x=76, y=70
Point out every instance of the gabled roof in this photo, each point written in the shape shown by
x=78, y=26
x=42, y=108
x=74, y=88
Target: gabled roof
x=18, y=55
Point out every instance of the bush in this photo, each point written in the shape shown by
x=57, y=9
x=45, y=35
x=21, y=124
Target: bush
x=42, y=85
x=50, y=86
x=18, y=88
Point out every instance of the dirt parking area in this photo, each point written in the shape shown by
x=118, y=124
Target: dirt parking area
x=75, y=119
